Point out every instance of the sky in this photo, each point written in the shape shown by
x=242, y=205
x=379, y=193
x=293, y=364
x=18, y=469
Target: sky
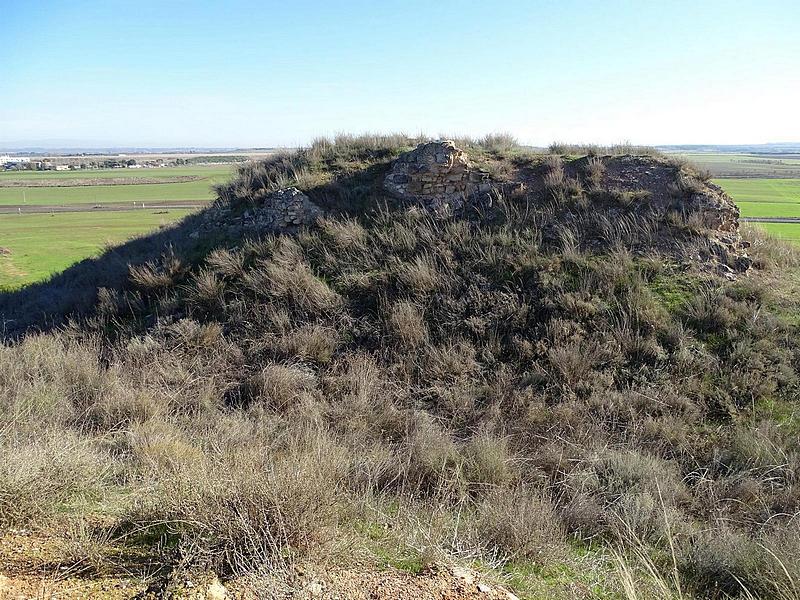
x=237, y=73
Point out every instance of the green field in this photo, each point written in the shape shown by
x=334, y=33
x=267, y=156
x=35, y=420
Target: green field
x=785, y=231
x=762, y=190
x=199, y=189
x=764, y=197
x=38, y=245
x=34, y=246
x=768, y=198
x=164, y=172
x=769, y=209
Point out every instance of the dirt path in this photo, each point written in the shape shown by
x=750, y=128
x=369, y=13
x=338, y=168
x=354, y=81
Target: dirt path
x=24, y=209
x=769, y=219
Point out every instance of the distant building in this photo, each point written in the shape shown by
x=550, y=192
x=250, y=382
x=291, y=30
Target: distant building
x=14, y=160
x=62, y=167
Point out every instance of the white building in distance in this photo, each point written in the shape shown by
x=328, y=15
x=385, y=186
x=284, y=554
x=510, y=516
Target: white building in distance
x=13, y=160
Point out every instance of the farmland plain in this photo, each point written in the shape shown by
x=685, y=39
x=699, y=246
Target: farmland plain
x=763, y=185
x=194, y=183
x=37, y=239
x=163, y=172
x=784, y=191
x=35, y=246
x=748, y=165
x=769, y=199
x=785, y=231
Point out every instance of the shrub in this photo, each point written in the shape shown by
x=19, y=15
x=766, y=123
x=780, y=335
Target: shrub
x=226, y=262
x=429, y=459
x=255, y=507
x=420, y=276
x=720, y=561
x=290, y=280
x=595, y=150
x=499, y=142
x=595, y=170
x=519, y=524
x=153, y=276
x=315, y=343
x=488, y=461
x=41, y=476
x=207, y=290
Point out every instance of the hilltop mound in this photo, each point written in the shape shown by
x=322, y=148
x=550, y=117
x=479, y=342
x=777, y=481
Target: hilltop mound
x=564, y=371
x=647, y=204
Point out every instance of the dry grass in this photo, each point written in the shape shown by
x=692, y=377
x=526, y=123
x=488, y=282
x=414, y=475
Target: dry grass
x=513, y=392
x=596, y=150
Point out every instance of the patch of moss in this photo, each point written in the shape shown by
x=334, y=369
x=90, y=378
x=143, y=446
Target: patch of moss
x=672, y=290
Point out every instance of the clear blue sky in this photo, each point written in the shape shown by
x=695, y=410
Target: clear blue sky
x=240, y=73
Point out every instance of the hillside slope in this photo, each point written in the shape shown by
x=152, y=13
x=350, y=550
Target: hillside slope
x=571, y=373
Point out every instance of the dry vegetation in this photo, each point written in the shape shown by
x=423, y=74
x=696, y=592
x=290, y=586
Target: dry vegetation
x=395, y=388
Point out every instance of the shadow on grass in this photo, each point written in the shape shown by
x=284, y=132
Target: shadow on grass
x=49, y=304
x=45, y=305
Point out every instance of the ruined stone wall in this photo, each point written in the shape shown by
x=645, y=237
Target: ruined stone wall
x=437, y=175
x=283, y=210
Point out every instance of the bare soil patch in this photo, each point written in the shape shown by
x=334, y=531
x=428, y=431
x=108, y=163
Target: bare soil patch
x=39, y=565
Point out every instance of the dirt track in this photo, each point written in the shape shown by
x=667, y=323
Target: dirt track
x=105, y=207
x=769, y=219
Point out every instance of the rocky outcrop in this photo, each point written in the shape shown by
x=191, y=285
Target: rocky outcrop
x=715, y=209
x=283, y=210
x=439, y=176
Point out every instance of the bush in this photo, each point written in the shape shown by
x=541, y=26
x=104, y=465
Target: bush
x=518, y=524
x=720, y=561
x=281, y=386
x=254, y=506
x=43, y=475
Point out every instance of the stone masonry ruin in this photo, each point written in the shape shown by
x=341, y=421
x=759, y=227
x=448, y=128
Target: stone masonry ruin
x=437, y=175
x=282, y=210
